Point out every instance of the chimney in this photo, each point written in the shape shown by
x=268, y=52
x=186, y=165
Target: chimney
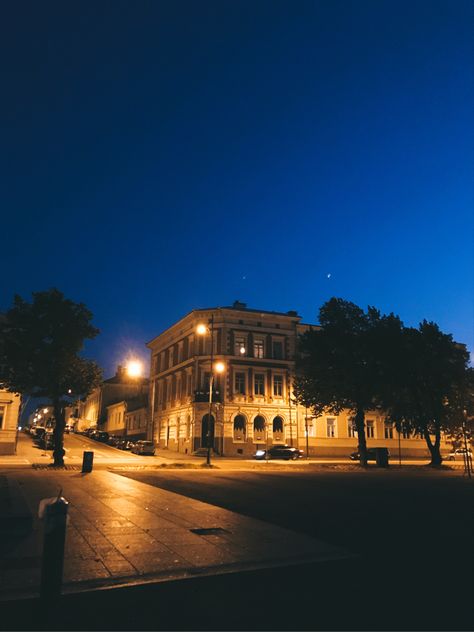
x=239, y=305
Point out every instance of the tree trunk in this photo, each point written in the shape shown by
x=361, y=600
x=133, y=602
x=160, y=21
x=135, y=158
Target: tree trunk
x=360, y=425
x=434, y=448
x=58, y=452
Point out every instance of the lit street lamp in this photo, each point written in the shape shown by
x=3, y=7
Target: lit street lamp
x=218, y=367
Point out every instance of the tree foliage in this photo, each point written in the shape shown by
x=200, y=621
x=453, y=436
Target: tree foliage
x=41, y=342
x=343, y=363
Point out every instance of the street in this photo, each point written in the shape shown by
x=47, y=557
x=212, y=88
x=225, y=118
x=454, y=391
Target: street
x=412, y=529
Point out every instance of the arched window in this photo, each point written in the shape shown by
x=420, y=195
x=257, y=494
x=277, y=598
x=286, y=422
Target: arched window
x=277, y=425
x=239, y=428
x=259, y=424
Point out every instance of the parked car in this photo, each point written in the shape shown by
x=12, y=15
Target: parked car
x=125, y=444
x=48, y=441
x=38, y=434
x=458, y=454
x=371, y=454
x=101, y=435
x=280, y=452
x=144, y=447
x=88, y=432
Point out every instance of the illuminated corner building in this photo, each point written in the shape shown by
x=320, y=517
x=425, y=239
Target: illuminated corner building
x=253, y=403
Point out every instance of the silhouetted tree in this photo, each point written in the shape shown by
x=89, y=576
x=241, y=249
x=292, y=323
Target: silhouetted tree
x=344, y=363
x=431, y=382
x=40, y=342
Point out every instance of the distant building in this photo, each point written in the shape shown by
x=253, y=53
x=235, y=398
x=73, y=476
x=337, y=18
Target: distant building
x=9, y=416
x=253, y=402
x=92, y=411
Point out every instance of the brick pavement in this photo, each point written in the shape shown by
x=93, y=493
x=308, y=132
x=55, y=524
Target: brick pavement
x=122, y=532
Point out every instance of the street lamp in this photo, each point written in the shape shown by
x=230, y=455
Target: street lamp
x=218, y=367
x=134, y=368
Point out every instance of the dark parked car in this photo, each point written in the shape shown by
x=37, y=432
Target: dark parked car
x=100, y=435
x=371, y=454
x=48, y=441
x=144, y=447
x=280, y=452
x=125, y=444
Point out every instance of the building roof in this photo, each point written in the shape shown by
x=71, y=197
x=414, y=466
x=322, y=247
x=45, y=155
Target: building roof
x=237, y=306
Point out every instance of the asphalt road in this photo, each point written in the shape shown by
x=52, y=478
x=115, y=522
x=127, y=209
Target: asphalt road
x=413, y=531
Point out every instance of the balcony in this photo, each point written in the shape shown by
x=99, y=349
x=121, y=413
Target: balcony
x=203, y=396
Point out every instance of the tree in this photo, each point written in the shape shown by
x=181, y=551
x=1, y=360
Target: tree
x=343, y=363
x=41, y=342
x=433, y=385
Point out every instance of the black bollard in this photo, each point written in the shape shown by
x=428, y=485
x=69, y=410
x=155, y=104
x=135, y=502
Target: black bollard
x=87, y=461
x=55, y=518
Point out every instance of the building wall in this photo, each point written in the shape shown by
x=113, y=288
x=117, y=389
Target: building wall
x=115, y=423
x=9, y=416
x=255, y=384
x=136, y=423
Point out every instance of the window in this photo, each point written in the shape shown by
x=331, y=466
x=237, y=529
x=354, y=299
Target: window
x=239, y=344
x=277, y=424
x=405, y=432
x=239, y=428
x=2, y=415
x=188, y=426
x=278, y=385
x=258, y=349
x=370, y=432
x=388, y=431
x=330, y=427
x=259, y=423
x=259, y=384
x=278, y=349
x=206, y=381
x=240, y=383
x=351, y=429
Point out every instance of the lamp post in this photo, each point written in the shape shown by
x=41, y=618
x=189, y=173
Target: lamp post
x=219, y=367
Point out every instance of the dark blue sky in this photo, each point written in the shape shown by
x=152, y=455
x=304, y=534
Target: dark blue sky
x=158, y=157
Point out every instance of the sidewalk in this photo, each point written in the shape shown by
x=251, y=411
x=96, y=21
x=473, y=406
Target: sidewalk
x=124, y=532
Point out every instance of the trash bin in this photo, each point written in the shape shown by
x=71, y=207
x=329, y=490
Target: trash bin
x=381, y=457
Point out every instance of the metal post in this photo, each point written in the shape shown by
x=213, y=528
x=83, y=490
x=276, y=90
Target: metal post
x=55, y=515
x=291, y=421
x=307, y=438
x=399, y=428
x=211, y=381
x=467, y=456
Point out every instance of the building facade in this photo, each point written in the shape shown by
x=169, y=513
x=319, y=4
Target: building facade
x=253, y=403
x=10, y=404
x=92, y=411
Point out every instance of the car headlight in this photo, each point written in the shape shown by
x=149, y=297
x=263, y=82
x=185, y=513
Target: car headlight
x=260, y=453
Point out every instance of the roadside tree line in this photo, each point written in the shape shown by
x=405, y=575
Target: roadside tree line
x=418, y=378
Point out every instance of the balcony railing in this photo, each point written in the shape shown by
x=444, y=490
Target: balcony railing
x=203, y=396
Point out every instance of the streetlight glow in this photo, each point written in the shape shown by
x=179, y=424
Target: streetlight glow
x=134, y=368
x=201, y=329
x=219, y=367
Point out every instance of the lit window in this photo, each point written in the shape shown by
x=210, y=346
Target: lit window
x=351, y=429
x=240, y=346
x=278, y=385
x=370, y=432
x=258, y=349
x=259, y=384
x=240, y=383
x=330, y=427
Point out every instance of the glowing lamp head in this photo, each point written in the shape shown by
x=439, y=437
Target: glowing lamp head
x=45, y=410
x=219, y=367
x=242, y=350
x=134, y=368
x=201, y=329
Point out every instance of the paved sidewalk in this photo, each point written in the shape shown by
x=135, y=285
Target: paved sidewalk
x=122, y=531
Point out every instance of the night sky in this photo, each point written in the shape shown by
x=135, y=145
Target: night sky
x=163, y=156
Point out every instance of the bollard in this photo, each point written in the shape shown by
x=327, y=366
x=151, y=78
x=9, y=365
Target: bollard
x=54, y=513
x=87, y=461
